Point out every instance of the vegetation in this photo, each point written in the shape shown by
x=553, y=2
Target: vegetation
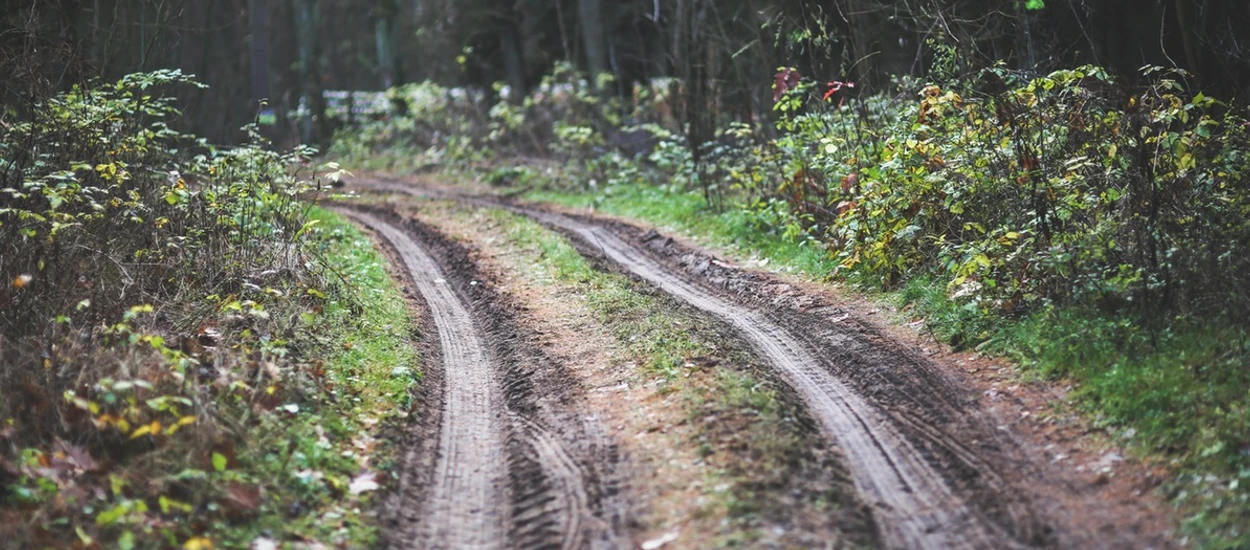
x=167, y=308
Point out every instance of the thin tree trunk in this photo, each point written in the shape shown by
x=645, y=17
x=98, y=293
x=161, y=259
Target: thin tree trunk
x=258, y=24
x=1191, y=52
x=514, y=62
x=314, y=127
x=591, y=16
x=384, y=37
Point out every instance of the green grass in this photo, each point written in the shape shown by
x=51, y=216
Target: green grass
x=1176, y=391
x=307, y=460
x=1179, y=393
x=380, y=364
x=743, y=232
x=646, y=328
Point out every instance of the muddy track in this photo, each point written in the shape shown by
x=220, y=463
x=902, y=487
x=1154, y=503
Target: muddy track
x=913, y=504
x=516, y=464
x=922, y=454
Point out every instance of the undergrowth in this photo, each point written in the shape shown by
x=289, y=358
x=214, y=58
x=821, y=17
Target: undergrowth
x=170, y=316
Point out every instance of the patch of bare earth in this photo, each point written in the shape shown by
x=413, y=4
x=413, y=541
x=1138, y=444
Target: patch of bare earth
x=693, y=459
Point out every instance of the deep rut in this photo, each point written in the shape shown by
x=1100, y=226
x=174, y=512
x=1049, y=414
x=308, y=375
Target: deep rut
x=937, y=467
x=516, y=465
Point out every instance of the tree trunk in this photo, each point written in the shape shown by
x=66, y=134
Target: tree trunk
x=258, y=20
x=313, y=127
x=384, y=36
x=514, y=63
x=590, y=14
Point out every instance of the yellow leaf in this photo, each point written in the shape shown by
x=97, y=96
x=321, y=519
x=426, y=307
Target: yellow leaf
x=149, y=429
x=198, y=543
x=180, y=423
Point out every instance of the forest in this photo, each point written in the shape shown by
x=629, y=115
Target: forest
x=634, y=273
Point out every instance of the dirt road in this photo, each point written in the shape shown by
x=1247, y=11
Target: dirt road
x=933, y=466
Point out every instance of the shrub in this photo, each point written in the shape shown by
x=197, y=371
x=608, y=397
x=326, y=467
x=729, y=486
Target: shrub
x=150, y=287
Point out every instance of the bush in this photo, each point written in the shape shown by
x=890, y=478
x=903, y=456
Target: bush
x=150, y=291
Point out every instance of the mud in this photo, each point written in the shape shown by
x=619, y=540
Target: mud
x=517, y=464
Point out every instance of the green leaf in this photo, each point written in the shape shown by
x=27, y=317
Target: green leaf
x=219, y=462
x=307, y=225
x=111, y=515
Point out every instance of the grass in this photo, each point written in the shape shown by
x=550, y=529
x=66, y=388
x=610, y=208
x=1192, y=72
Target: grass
x=371, y=370
x=744, y=429
x=1176, y=391
x=380, y=363
x=732, y=229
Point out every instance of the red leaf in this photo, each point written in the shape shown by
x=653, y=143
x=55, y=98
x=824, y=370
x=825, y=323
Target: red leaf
x=785, y=80
x=851, y=181
x=836, y=86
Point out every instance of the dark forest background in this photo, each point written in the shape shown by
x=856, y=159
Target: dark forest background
x=284, y=50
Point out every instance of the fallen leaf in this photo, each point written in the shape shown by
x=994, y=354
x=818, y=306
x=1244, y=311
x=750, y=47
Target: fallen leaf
x=242, y=499
x=363, y=483
x=22, y=280
x=656, y=543
x=82, y=458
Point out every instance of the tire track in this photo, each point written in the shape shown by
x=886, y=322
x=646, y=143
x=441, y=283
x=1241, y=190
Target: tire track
x=912, y=502
x=465, y=501
x=517, y=464
x=915, y=506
